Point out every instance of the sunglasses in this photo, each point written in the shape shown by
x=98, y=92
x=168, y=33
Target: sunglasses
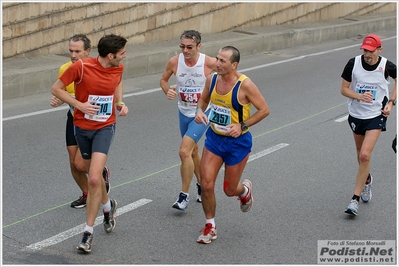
x=189, y=47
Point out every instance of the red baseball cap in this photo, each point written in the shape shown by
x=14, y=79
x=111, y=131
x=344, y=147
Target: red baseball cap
x=371, y=42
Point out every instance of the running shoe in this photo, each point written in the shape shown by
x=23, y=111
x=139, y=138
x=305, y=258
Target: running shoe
x=182, y=202
x=247, y=200
x=109, y=217
x=199, y=200
x=352, y=207
x=79, y=203
x=86, y=243
x=366, y=193
x=106, y=175
x=209, y=233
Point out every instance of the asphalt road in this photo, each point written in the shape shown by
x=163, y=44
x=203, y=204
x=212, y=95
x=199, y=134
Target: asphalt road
x=303, y=168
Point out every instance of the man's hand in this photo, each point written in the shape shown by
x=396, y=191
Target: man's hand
x=235, y=130
x=171, y=94
x=55, y=102
x=200, y=117
x=89, y=108
x=123, y=110
x=367, y=97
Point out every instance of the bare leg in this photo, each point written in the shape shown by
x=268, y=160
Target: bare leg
x=232, y=176
x=188, y=162
x=97, y=193
x=210, y=166
x=197, y=163
x=78, y=169
x=364, y=147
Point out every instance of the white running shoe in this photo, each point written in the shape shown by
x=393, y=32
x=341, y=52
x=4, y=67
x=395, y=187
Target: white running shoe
x=247, y=200
x=352, y=207
x=366, y=193
x=209, y=233
x=182, y=202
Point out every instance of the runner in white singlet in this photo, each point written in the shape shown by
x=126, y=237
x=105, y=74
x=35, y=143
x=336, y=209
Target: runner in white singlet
x=191, y=69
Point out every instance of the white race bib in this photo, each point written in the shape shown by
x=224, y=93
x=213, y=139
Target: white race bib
x=363, y=88
x=106, y=107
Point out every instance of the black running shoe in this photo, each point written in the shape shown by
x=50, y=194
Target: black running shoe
x=106, y=175
x=86, y=243
x=199, y=199
x=109, y=218
x=79, y=203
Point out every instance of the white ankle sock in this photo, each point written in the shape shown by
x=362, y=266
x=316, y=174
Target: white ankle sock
x=89, y=229
x=107, y=206
x=245, y=192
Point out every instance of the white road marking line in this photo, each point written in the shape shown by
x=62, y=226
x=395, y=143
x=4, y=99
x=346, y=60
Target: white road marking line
x=344, y=118
x=78, y=229
x=301, y=57
x=34, y=113
x=264, y=152
x=148, y=91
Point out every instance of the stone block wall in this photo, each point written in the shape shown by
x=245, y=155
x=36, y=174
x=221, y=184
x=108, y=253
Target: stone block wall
x=33, y=29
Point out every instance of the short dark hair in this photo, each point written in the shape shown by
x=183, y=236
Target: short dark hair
x=235, y=56
x=193, y=35
x=110, y=43
x=81, y=37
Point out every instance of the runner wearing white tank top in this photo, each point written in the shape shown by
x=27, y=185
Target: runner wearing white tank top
x=365, y=82
x=191, y=69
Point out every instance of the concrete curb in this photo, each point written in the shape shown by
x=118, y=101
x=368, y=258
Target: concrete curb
x=23, y=77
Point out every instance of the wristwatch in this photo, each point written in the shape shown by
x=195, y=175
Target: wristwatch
x=393, y=101
x=244, y=127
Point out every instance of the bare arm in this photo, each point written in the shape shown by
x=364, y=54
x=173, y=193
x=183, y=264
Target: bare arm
x=171, y=68
x=55, y=102
x=120, y=106
x=203, y=102
x=249, y=93
x=210, y=65
x=394, y=90
x=119, y=92
x=58, y=91
x=388, y=107
x=348, y=92
x=254, y=96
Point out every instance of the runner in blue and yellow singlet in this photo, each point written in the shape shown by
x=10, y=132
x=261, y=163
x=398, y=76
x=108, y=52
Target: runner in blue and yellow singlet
x=229, y=96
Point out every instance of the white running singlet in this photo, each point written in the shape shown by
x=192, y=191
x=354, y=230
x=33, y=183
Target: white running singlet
x=190, y=82
x=368, y=81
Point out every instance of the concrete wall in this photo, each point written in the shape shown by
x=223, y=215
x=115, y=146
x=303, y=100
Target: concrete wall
x=33, y=29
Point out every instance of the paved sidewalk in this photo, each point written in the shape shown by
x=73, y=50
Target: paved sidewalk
x=28, y=76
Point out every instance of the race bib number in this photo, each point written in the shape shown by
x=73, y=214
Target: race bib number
x=363, y=88
x=105, y=104
x=220, y=117
x=190, y=96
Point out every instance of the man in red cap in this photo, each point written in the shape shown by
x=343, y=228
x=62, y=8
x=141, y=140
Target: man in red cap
x=365, y=82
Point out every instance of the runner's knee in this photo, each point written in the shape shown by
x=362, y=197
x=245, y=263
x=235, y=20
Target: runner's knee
x=230, y=192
